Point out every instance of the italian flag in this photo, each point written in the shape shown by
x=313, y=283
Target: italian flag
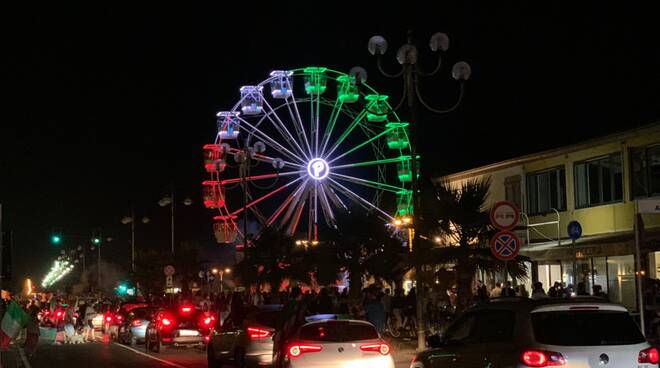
x=14, y=320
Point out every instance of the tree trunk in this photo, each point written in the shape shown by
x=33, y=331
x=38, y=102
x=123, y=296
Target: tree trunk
x=465, y=274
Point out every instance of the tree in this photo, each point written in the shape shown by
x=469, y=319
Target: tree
x=459, y=217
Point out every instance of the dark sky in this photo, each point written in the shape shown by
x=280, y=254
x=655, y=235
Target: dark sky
x=104, y=107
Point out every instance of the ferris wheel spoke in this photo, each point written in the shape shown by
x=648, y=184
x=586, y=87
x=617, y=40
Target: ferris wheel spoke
x=282, y=129
x=346, y=133
x=325, y=206
x=331, y=124
x=367, y=183
x=293, y=225
x=375, y=137
x=371, y=163
x=264, y=158
x=271, y=142
x=361, y=201
x=264, y=197
x=259, y=177
x=287, y=201
x=298, y=122
x=312, y=224
x=297, y=196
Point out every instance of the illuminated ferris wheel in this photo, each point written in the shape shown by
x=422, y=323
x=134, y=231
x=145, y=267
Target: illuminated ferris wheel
x=301, y=146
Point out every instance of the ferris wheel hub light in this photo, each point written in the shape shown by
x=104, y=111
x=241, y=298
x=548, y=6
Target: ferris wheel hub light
x=318, y=169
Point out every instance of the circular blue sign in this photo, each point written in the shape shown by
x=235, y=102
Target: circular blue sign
x=574, y=230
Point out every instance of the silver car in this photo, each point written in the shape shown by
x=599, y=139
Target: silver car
x=248, y=342
x=134, y=326
x=570, y=333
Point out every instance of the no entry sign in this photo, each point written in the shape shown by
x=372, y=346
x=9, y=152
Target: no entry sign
x=505, y=245
x=504, y=215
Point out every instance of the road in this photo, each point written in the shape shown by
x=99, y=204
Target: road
x=106, y=354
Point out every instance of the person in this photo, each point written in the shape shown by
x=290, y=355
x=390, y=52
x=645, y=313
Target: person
x=88, y=317
x=375, y=311
x=291, y=318
x=598, y=291
x=522, y=291
x=482, y=291
x=538, y=292
x=324, y=302
x=507, y=290
x=386, y=298
x=32, y=329
x=581, y=289
x=398, y=304
x=496, y=292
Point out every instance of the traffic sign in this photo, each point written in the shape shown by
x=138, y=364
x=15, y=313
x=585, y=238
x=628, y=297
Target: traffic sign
x=505, y=245
x=574, y=230
x=168, y=270
x=168, y=281
x=504, y=215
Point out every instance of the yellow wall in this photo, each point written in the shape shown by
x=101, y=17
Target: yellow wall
x=595, y=220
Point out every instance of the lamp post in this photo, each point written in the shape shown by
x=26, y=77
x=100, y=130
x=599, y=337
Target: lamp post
x=411, y=74
x=221, y=272
x=131, y=220
x=169, y=200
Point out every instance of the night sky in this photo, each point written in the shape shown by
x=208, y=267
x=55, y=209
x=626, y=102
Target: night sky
x=103, y=108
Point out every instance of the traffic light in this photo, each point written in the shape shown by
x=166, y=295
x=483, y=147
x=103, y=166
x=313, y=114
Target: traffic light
x=96, y=237
x=96, y=241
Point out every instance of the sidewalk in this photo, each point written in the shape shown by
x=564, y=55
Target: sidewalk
x=403, y=351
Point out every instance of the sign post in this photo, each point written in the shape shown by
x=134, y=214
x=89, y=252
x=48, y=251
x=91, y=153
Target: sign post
x=505, y=245
x=169, y=271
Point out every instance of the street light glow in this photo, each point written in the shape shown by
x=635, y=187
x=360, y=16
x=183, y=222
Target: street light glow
x=228, y=270
x=214, y=271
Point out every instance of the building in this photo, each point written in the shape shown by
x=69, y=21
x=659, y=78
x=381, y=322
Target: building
x=598, y=184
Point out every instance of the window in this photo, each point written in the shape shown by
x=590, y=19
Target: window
x=512, y=190
x=585, y=328
x=485, y=326
x=338, y=331
x=645, y=167
x=545, y=190
x=598, y=181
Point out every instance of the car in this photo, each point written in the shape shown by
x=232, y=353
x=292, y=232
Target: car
x=115, y=315
x=331, y=343
x=520, y=332
x=248, y=342
x=132, y=329
x=182, y=326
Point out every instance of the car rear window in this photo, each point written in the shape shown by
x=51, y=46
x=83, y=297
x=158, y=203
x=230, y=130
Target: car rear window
x=140, y=313
x=268, y=318
x=338, y=331
x=585, y=328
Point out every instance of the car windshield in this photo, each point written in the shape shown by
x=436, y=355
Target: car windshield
x=585, y=328
x=338, y=331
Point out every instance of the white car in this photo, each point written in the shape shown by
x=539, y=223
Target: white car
x=516, y=332
x=340, y=344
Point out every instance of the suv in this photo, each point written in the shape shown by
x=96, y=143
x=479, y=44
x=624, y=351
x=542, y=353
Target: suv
x=183, y=326
x=511, y=332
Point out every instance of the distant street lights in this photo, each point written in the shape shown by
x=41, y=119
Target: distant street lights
x=131, y=220
x=168, y=200
x=221, y=272
x=411, y=73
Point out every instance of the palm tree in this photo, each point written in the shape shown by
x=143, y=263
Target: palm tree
x=458, y=216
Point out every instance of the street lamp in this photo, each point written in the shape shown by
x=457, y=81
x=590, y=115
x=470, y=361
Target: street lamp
x=131, y=220
x=411, y=73
x=168, y=200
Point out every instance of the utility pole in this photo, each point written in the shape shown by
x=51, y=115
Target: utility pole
x=411, y=73
x=2, y=271
x=172, y=216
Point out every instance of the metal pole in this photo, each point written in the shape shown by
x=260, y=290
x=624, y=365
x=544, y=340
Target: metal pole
x=638, y=267
x=246, y=164
x=222, y=283
x=98, y=268
x=172, y=216
x=1, y=248
x=132, y=241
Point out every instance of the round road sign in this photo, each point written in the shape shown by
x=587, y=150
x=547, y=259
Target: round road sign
x=505, y=245
x=504, y=215
x=168, y=270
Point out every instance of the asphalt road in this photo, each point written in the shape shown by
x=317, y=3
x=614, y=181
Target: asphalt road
x=106, y=354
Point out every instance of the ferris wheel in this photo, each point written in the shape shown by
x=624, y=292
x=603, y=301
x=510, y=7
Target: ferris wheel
x=301, y=146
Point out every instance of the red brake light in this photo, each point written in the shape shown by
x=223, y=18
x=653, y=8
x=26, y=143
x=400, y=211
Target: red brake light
x=136, y=323
x=381, y=348
x=258, y=333
x=650, y=356
x=108, y=319
x=165, y=322
x=542, y=358
x=186, y=309
x=59, y=314
x=296, y=350
x=207, y=321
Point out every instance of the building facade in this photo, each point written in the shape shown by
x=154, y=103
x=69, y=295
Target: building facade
x=597, y=184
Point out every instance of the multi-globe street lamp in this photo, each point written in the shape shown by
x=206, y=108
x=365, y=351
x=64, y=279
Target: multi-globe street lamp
x=411, y=74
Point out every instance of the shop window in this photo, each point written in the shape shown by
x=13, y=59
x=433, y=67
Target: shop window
x=599, y=181
x=621, y=280
x=546, y=190
x=645, y=171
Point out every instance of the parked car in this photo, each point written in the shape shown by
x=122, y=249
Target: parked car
x=516, y=332
x=336, y=344
x=248, y=342
x=132, y=330
x=183, y=326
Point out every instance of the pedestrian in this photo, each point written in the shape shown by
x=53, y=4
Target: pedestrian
x=538, y=292
x=386, y=298
x=88, y=316
x=291, y=318
x=496, y=292
x=324, y=303
x=522, y=291
x=507, y=290
x=581, y=289
x=598, y=292
x=375, y=311
x=32, y=328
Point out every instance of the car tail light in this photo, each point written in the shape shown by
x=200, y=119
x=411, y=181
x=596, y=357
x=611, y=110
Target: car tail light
x=208, y=321
x=136, y=323
x=186, y=310
x=58, y=314
x=650, y=356
x=166, y=322
x=108, y=319
x=542, y=358
x=296, y=350
x=207, y=338
x=258, y=333
x=381, y=348
x=119, y=318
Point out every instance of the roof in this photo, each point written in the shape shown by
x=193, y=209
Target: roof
x=552, y=152
x=518, y=303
